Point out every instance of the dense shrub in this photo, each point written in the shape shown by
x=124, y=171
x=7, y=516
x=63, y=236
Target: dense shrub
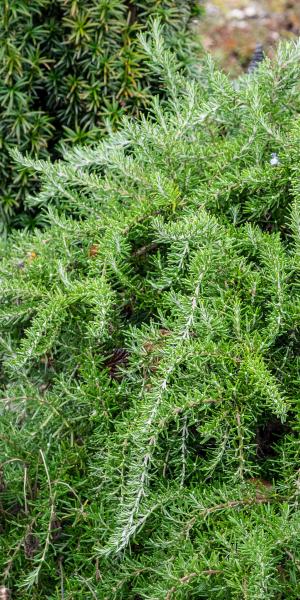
x=150, y=353
x=68, y=68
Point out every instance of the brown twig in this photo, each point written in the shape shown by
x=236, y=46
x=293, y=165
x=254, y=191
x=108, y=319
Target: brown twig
x=293, y=559
x=259, y=499
x=235, y=504
x=144, y=249
x=17, y=548
x=187, y=579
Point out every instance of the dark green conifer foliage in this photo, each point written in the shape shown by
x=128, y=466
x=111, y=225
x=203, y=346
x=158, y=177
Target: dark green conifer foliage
x=68, y=70
x=150, y=353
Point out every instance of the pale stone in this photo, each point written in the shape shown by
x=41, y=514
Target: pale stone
x=237, y=13
x=251, y=11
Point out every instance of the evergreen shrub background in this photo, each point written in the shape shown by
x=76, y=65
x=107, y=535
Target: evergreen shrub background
x=150, y=353
x=68, y=70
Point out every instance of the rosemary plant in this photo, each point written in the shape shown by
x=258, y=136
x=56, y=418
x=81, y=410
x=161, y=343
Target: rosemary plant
x=150, y=352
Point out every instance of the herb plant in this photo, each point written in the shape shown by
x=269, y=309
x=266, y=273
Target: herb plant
x=150, y=352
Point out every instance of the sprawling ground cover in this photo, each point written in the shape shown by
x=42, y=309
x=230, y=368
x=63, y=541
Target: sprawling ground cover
x=150, y=353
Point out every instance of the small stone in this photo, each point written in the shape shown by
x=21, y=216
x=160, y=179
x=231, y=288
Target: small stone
x=241, y=25
x=274, y=35
x=211, y=10
x=237, y=13
x=250, y=12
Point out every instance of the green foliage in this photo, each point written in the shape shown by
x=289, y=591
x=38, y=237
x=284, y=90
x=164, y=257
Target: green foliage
x=150, y=353
x=69, y=69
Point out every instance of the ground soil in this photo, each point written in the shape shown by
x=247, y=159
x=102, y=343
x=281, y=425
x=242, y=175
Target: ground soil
x=231, y=29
